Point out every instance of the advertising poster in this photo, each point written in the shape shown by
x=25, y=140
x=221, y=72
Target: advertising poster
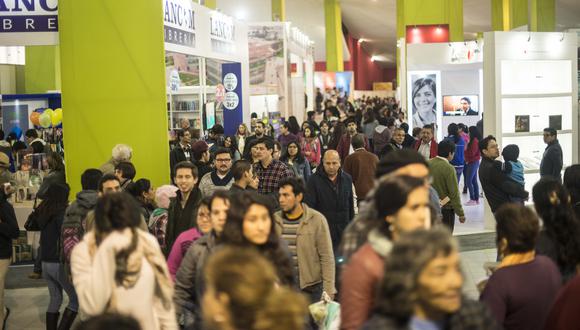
x=343, y=81
x=181, y=70
x=15, y=116
x=424, y=98
x=267, y=73
x=461, y=105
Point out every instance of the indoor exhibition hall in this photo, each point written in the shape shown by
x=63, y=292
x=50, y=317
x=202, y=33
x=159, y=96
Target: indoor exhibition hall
x=289, y=165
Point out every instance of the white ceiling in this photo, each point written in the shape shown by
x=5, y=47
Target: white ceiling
x=375, y=20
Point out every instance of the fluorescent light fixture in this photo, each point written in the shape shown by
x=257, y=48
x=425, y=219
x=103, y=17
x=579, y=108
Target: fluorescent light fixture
x=361, y=40
x=374, y=58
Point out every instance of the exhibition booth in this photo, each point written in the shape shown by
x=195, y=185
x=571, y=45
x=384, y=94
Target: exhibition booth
x=442, y=83
x=531, y=83
x=281, y=61
x=207, y=71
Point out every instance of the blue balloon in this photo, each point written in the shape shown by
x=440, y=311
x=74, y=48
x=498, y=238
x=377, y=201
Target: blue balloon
x=18, y=131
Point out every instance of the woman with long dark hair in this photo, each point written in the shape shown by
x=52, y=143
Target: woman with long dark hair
x=296, y=162
x=560, y=236
x=119, y=268
x=230, y=144
x=251, y=224
x=144, y=194
x=472, y=159
x=49, y=215
x=189, y=281
x=337, y=133
x=55, y=174
x=311, y=147
x=572, y=184
x=293, y=126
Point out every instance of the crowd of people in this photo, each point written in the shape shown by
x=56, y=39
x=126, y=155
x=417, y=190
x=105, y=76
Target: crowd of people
x=253, y=228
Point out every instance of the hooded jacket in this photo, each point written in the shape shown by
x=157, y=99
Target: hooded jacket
x=74, y=225
x=381, y=137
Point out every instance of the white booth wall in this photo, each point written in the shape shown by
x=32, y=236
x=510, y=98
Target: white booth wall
x=532, y=75
x=459, y=74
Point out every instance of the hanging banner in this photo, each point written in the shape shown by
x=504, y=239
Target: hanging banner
x=28, y=23
x=232, y=82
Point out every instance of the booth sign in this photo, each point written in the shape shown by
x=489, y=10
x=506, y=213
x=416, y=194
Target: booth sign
x=28, y=22
x=179, y=22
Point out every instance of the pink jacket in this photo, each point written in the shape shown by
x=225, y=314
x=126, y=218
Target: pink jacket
x=182, y=243
x=314, y=149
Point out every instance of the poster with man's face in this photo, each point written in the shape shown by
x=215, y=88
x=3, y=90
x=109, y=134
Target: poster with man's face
x=424, y=99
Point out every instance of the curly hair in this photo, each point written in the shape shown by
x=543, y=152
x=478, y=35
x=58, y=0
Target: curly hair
x=552, y=202
x=273, y=250
x=410, y=255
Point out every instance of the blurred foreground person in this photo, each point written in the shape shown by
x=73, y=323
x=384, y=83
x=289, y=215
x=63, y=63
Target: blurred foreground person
x=522, y=288
x=422, y=287
x=243, y=294
x=119, y=268
x=109, y=321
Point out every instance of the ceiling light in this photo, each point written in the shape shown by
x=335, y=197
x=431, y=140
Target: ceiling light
x=415, y=30
x=361, y=40
x=438, y=30
x=373, y=58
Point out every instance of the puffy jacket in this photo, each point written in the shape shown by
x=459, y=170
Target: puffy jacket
x=381, y=136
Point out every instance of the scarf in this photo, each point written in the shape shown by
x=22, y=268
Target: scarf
x=517, y=259
x=163, y=284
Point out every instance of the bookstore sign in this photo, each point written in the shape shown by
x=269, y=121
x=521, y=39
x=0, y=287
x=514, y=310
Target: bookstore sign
x=28, y=22
x=179, y=18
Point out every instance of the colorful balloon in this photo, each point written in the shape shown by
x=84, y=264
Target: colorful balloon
x=45, y=120
x=34, y=118
x=56, y=117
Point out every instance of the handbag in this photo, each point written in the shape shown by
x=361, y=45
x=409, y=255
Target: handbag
x=31, y=223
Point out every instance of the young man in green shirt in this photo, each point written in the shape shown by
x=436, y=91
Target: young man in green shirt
x=445, y=183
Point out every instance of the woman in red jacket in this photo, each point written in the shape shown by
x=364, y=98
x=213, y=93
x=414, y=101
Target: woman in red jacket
x=406, y=211
x=472, y=158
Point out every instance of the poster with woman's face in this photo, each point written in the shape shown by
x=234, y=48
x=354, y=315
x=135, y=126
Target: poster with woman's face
x=424, y=98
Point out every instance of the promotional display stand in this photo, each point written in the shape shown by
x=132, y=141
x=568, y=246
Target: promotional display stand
x=531, y=83
x=442, y=84
x=206, y=56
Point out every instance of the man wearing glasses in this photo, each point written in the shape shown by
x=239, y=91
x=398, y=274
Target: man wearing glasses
x=221, y=177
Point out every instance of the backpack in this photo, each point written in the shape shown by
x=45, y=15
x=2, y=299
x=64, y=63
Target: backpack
x=72, y=231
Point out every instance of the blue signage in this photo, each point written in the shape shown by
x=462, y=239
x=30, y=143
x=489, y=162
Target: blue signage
x=233, y=112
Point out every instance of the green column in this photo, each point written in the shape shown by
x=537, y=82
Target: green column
x=430, y=12
x=42, y=69
x=278, y=10
x=113, y=85
x=543, y=15
x=333, y=22
x=211, y=4
x=507, y=15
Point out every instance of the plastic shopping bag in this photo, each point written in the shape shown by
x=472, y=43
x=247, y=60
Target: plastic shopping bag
x=326, y=313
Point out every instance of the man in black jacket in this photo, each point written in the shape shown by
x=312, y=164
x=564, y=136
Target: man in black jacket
x=330, y=192
x=552, y=161
x=496, y=185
